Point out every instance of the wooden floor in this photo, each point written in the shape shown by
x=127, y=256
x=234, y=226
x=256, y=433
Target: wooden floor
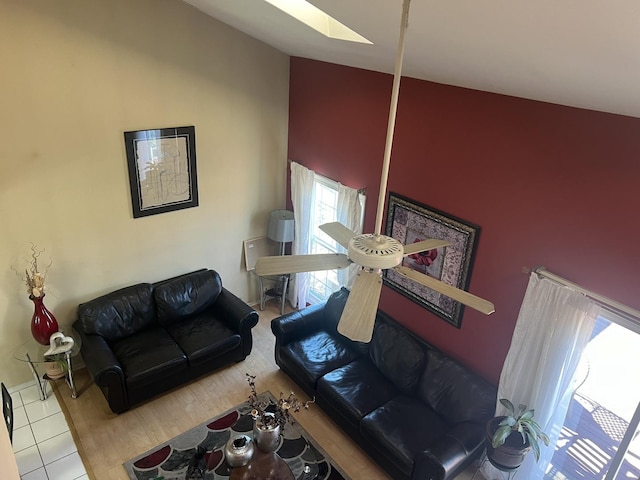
x=106, y=440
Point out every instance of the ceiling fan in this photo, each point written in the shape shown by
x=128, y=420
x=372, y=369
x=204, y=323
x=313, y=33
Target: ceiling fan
x=373, y=252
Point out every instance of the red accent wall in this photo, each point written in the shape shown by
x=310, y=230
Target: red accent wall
x=548, y=185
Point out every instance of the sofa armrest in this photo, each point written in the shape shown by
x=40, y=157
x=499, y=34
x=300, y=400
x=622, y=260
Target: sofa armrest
x=105, y=369
x=100, y=360
x=235, y=312
x=298, y=324
x=237, y=315
x=451, y=454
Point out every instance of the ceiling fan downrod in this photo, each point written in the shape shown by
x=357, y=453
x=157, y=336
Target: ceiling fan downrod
x=392, y=116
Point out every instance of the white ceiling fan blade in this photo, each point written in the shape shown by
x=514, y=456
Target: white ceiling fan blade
x=338, y=232
x=470, y=300
x=359, y=315
x=283, y=264
x=424, y=245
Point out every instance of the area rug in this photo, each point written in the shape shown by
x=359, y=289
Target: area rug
x=198, y=453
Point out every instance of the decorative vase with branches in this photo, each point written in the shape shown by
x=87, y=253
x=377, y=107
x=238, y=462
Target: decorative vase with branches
x=280, y=410
x=43, y=322
x=270, y=417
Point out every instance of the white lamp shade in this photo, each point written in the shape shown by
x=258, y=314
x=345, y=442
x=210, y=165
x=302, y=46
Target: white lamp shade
x=281, y=226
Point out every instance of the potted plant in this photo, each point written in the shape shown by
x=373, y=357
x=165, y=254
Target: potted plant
x=56, y=366
x=510, y=437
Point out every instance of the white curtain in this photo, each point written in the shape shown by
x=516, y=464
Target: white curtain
x=301, y=196
x=350, y=214
x=553, y=327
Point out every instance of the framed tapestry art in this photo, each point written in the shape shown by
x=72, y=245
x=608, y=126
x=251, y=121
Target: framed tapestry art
x=162, y=169
x=409, y=222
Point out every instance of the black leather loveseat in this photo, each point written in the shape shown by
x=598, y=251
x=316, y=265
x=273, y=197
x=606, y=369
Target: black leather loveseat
x=144, y=339
x=416, y=412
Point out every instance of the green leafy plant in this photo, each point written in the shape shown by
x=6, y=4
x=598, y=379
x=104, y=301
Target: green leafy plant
x=60, y=360
x=523, y=423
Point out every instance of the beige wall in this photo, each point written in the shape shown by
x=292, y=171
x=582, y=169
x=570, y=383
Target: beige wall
x=75, y=75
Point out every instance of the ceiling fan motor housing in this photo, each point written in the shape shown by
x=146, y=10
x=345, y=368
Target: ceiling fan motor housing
x=375, y=251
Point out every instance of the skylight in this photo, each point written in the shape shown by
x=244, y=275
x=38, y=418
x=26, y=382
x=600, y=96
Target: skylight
x=320, y=21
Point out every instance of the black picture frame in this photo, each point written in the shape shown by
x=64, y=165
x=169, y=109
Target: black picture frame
x=162, y=169
x=408, y=221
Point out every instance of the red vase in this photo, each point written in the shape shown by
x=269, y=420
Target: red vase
x=43, y=323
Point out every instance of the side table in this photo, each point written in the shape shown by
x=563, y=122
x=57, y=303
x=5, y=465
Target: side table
x=32, y=353
x=505, y=474
x=273, y=286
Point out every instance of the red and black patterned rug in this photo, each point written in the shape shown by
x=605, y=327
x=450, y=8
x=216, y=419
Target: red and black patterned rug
x=198, y=453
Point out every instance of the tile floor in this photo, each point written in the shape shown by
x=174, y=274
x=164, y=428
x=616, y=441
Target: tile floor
x=42, y=442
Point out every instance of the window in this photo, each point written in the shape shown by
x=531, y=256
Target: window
x=324, y=209
x=601, y=427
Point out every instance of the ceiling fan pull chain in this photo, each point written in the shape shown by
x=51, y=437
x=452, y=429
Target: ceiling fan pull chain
x=392, y=116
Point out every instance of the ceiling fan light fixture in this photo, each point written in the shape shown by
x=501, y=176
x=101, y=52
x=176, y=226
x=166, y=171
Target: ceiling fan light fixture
x=375, y=251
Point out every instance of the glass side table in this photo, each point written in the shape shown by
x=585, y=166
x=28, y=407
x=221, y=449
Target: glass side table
x=32, y=353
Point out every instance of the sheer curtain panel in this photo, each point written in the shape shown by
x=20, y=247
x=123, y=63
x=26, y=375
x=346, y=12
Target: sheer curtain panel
x=301, y=197
x=350, y=214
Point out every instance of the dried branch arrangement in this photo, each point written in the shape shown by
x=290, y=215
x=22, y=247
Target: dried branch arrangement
x=34, y=279
x=280, y=410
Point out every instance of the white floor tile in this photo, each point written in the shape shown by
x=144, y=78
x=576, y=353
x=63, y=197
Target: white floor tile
x=19, y=417
x=39, y=474
x=32, y=394
x=23, y=438
x=39, y=410
x=83, y=477
x=49, y=427
x=17, y=399
x=57, y=447
x=28, y=460
x=67, y=468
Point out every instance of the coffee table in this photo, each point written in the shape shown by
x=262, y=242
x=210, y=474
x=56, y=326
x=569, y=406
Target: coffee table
x=199, y=452
x=263, y=466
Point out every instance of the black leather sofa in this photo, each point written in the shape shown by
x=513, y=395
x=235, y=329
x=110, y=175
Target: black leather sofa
x=147, y=338
x=416, y=412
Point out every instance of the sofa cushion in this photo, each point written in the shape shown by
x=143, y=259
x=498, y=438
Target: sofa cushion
x=357, y=388
x=203, y=337
x=403, y=427
x=147, y=356
x=455, y=393
x=397, y=355
x=186, y=295
x=120, y=313
x=315, y=355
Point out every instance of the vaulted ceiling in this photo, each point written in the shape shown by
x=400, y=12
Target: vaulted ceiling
x=581, y=53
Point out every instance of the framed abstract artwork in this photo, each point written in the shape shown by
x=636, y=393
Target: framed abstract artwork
x=408, y=222
x=162, y=169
